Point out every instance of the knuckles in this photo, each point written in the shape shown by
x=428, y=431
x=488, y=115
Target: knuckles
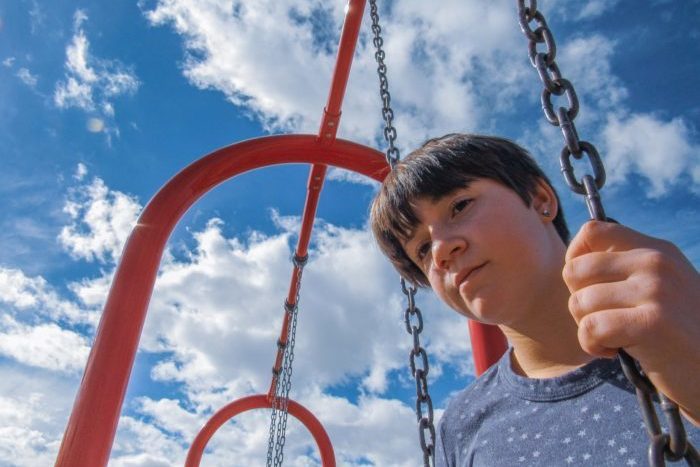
x=568, y=273
x=576, y=307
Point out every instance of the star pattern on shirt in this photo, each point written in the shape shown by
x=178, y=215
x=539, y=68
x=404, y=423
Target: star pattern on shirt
x=592, y=430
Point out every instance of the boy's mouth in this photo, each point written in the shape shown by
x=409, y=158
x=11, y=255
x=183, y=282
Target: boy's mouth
x=467, y=273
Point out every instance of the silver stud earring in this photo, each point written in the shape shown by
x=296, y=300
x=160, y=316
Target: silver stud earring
x=545, y=212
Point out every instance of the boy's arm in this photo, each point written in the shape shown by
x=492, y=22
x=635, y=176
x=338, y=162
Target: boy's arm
x=639, y=293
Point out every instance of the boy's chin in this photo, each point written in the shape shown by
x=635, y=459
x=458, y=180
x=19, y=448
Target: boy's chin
x=485, y=313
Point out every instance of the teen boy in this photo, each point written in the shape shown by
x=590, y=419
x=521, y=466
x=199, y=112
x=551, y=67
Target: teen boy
x=475, y=218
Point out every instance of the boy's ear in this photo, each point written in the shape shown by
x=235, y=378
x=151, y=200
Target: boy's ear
x=544, y=201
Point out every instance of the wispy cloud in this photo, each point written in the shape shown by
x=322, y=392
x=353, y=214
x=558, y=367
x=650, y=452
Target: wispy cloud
x=212, y=326
x=27, y=77
x=454, y=66
x=45, y=346
x=92, y=83
x=444, y=59
x=101, y=220
x=37, y=16
x=659, y=150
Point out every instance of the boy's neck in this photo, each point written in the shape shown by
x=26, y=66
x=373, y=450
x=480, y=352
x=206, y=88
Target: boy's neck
x=547, y=344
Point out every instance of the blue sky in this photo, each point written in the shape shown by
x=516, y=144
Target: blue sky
x=102, y=105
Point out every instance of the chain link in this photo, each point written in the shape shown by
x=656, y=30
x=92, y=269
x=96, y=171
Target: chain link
x=392, y=152
x=674, y=445
x=412, y=316
x=418, y=361
x=283, y=378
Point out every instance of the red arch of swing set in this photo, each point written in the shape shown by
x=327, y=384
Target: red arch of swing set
x=93, y=422
x=88, y=438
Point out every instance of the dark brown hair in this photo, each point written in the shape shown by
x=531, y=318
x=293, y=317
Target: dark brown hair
x=436, y=169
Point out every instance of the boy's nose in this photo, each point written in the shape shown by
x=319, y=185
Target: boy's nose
x=446, y=249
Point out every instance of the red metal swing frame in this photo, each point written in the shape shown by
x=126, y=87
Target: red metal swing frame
x=93, y=422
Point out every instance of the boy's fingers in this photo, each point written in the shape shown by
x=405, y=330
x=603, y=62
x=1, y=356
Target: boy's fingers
x=602, y=333
x=598, y=298
x=597, y=267
x=606, y=236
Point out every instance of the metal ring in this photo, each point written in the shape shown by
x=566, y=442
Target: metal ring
x=419, y=408
x=568, y=169
x=568, y=129
x=593, y=201
x=544, y=70
x=411, y=329
x=525, y=24
x=570, y=92
x=678, y=439
x=657, y=446
x=548, y=39
x=412, y=361
x=300, y=261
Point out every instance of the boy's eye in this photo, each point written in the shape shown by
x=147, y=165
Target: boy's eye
x=423, y=250
x=459, y=205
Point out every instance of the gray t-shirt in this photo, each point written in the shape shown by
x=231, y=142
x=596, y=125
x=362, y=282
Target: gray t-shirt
x=589, y=416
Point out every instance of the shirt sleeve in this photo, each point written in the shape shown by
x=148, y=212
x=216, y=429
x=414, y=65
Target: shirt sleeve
x=440, y=455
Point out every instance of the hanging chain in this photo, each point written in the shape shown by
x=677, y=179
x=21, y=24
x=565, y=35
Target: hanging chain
x=283, y=378
x=420, y=373
x=392, y=152
x=424, y=404
x=673, y=445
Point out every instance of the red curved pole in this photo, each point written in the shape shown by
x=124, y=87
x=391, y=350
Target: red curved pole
x=194, y=456
x=88, y=438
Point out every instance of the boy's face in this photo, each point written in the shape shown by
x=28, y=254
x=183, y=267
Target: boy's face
x=484, y=252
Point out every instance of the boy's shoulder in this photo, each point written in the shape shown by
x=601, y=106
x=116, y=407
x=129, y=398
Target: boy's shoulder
x=473, y=401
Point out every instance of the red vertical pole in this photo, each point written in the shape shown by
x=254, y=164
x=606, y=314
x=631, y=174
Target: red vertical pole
x=488, y=344
x=88, y=438
x=317, y=174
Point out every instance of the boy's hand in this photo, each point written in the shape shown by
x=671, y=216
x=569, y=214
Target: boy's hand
x=639, y=293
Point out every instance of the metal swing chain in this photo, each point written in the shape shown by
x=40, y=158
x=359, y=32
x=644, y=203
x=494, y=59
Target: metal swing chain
x=392, y=152
x=424, y=404
x=283, y=379
x=673, y=445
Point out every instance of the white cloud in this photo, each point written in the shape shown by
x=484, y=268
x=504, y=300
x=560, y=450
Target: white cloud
x=454, y=66
x=595, y=8
x=9, y=62
x=449, y=62
x=27, y=77
x=215, y=315
x=586, y=62
x=91, y=83
x=80, y=172
x=34, y=406
x=27, y=296
x=36, y=17
x=661, y=151
x=101, y=221
x=45, y=346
